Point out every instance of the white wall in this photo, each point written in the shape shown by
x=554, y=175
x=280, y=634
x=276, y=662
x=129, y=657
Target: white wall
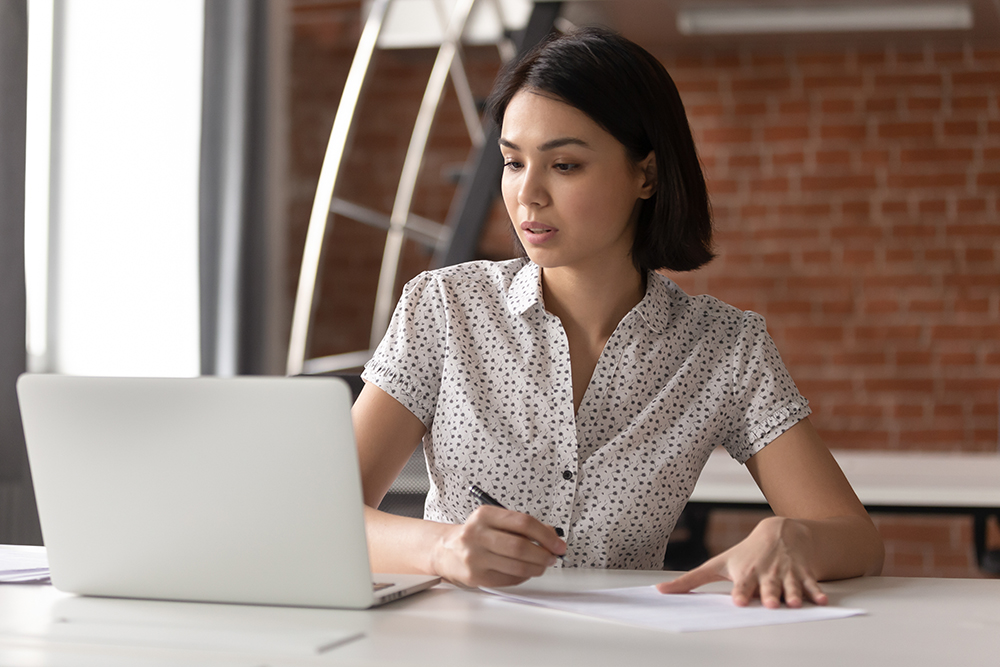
x=123, y=294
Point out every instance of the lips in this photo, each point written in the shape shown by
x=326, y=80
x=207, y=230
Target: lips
x=535, y=227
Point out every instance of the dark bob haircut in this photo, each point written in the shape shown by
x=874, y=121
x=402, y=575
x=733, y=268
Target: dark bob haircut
x=626, y=91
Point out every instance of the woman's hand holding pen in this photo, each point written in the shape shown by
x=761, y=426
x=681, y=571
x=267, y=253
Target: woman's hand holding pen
x=496, y=547
x=772, y=563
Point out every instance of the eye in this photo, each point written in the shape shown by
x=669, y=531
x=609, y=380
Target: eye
x=512, y=165
x=565, y=167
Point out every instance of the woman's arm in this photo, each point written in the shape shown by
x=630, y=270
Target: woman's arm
x=495, y=547
x=821, y=530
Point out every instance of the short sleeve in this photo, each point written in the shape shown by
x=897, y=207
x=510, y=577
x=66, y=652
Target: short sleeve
x=766, y=402
x=407, y=363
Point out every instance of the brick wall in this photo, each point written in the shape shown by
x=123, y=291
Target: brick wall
x=857, y=202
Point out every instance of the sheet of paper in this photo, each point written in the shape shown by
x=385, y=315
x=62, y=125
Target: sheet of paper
x=646, y=607
x=288, y=641
x=22, y=564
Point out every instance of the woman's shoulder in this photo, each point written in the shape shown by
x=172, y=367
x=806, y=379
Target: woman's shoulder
x=704, y=310
x=471, y=276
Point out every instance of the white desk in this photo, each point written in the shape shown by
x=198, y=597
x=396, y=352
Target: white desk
x=953, y=483
x=911, y=622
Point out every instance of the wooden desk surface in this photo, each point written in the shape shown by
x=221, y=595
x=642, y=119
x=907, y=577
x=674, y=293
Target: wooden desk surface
x=911, y=622
x=911, y=479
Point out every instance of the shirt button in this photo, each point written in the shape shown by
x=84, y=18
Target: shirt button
x=567, y=474
x=559, y=531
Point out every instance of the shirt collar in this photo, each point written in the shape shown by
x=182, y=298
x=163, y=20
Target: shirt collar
x=525, y=291
x=655, y=305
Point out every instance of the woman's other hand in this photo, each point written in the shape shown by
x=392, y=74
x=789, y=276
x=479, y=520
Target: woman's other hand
x=771, y=563
x=496, y=547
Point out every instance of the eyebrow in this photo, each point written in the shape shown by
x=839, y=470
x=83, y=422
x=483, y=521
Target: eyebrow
x=548, y=145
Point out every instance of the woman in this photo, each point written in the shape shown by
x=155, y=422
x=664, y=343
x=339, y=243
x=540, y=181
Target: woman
x=580, y=388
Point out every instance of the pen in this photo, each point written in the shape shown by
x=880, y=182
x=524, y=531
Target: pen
x=486, y=499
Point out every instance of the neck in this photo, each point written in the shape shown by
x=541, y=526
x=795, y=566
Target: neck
x=592, y=302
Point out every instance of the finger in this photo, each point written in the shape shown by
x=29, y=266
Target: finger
x=518, y=548
x=687, y=582
x=793, y=590
x=770, y=591
x=744, y=589
x=524, y=525
x=814, y=591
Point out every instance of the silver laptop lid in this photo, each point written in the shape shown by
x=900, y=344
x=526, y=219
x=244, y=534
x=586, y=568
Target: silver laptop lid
x=227, y=490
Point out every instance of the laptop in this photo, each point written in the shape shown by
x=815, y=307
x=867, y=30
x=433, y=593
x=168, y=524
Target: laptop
x=235, y=490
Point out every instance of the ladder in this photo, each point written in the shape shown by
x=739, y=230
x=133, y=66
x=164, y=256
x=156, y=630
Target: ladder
x=451, y=242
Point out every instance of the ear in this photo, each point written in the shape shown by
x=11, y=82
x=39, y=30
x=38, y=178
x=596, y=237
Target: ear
x=647, y=168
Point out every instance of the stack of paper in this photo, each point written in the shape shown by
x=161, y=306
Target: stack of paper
x=22, y=564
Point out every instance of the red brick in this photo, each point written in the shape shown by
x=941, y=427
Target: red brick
x=923, y=103
x=932, y=436
x=989, y=78
x=856, y=208
x=991, y=153
x=807, y=386
x=729, y=135
x=817, y=256
x=988, y=180
x=906, y=130
x=933, y=206
x=852, y=182
x=777, y=258
x=851, y=132
x=837, y=106
x=949, y=57
x=986, y=409
x=875, y=157
x=882, y=80
x=936, y=155
x=948, y=410
x=920, y=532
x=972, y=305
x=856, y=232
x=986, y=54
x=926, y=306
x=833, y=157
x=761, y=84
x=979, y=255
x=899, y=255
x=832, y=81
x=780, y=159
x=725, y=60
x=740, y=282
x=902, y=332
x=911, y=57
x=958, y=359
x=697, y=85
x=864, y=439
x=789, y=307
x=964, y=128
x=786, y=133
x=913, y=358
x=968, y=332
x=804, y=210
x=859, y=256
x=978, y=103
x=925, y=180
x=971, y=205
x=704, y=110
x=794, y=107
x=860, y=359
x=894, y=207
x=908, y=411
x=972, y=384
x=871, y=58
x=881, y=307
x=923, y=385
x=902, y=281
x=767, y=60
x=744, y=161
x=939, y=255
x=815, y=334
x=750, y=109
x=843, y=307
x=990, y=280
x=854, y=410
x=973, y=230
x=882, y=104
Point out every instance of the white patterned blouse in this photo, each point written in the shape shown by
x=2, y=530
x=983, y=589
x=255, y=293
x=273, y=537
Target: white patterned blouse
x=472, y=352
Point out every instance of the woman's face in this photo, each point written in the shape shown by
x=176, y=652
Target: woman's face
x=569, y=186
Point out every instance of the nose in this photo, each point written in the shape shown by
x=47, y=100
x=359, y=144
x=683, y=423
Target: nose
x=531, y=190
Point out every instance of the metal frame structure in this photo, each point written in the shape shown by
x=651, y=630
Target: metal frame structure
x=475, y=192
